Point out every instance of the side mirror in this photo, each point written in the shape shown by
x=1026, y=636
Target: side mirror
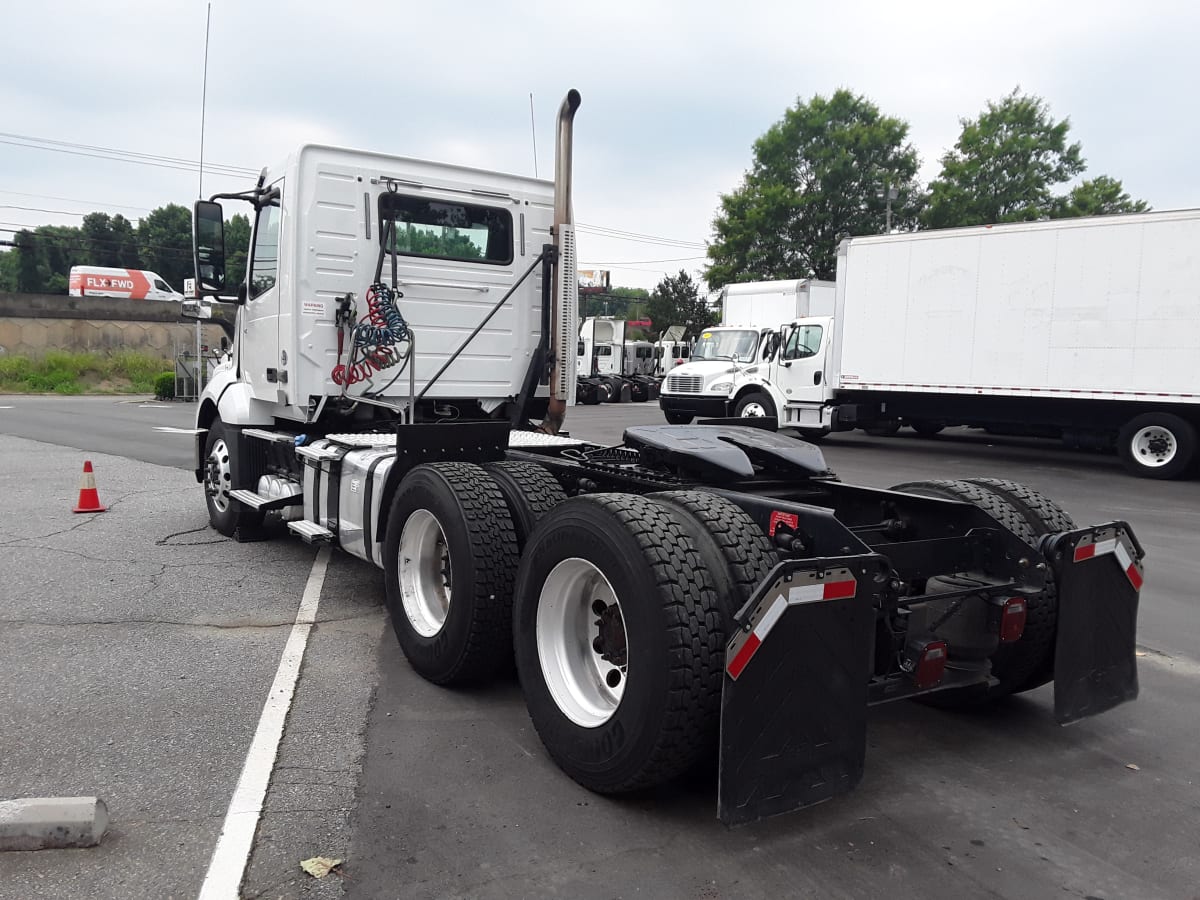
x=208, y=248
x=772, y=346
x=196, y=309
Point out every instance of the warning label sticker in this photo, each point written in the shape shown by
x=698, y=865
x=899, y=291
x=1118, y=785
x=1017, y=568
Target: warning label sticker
x=312, y=308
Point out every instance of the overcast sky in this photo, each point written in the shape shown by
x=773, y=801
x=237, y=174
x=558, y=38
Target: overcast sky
x=674, y=93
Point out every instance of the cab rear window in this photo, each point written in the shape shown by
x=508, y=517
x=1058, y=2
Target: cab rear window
x=441, y=229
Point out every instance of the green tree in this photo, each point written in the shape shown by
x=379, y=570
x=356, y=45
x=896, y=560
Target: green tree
x=820, y=172
x=125, y=245
x=9, y=260
x=96, y=240
x=237, y=245
x=29, y=279
x=165, y=243
x=1099, y=196
x=676, y=300
x=1003, y=166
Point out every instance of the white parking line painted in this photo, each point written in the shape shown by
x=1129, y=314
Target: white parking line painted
x=153, y=406
x=7, y=407
x=170, y=429
x=228, y=863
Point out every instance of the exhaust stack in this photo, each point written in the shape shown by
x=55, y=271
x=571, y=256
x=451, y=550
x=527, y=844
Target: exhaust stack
x=565, y=295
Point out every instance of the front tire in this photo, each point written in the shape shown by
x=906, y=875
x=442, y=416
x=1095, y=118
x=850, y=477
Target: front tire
x=225, y=514
x=754, y=405
x=449, y=560
x=1157, y=445
x=619, y=642
x=678, y=418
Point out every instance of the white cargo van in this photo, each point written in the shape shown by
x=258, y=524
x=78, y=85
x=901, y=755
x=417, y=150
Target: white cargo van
x=129, y=284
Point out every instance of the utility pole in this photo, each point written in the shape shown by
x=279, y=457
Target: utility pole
x=891, y=194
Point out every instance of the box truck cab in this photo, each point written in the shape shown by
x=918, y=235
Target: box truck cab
x=791, y=383
x=128, y=284
x=702, y=387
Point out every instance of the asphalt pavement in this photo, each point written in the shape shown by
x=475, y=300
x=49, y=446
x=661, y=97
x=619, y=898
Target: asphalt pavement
x=138, y=648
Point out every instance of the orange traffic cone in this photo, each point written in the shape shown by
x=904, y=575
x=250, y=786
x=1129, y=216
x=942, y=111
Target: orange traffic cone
x=89, y=499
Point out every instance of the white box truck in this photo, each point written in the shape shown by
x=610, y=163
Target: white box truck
x=701, y=386
x=1084, y=329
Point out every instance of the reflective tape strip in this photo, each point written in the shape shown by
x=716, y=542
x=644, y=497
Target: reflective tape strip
x=833, y=590
x=1101, y=548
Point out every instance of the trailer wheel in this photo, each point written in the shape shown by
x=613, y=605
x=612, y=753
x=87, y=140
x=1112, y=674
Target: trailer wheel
x=1029, y=662
x=529, y=490
x=449, y=559
x=755, y=404
x=619, y=642
x=678, y=418
x=225, y=514
x=737, y=553
x=1157, y=445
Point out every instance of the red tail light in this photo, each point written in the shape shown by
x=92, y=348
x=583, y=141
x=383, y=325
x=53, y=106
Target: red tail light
x=1012, y=620
x=925, y=660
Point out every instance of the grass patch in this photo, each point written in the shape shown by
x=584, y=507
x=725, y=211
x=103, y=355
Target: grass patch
x=60, y=372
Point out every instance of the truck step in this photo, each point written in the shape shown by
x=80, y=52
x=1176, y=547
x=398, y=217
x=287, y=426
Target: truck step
x=266, y=504
x=275, y=437
x=311, y=532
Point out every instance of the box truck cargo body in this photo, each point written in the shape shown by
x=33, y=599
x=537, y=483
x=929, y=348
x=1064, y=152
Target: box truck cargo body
x=701, y=386
x=1083, y=329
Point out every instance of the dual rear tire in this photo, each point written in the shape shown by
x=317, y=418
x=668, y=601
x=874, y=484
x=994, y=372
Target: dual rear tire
x=617, y=609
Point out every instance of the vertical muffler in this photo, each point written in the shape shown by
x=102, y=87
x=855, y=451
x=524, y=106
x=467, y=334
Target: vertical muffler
x=564, y=304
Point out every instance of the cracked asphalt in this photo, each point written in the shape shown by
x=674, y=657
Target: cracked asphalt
x=137, y=646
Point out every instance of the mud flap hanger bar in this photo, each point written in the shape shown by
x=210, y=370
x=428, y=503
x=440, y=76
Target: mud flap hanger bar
x=794, y=701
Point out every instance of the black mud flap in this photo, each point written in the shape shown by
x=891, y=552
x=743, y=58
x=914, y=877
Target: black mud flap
x=794, y=704
x=1099, y=574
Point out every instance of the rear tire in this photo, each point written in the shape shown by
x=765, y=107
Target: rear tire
x=449, y=560
x=678, y=418
x=635, y=701
x=927, y=427
x=1029, y=662
x=529, y=490
x=1157, y=445
x=737, y=553
x=884, y=428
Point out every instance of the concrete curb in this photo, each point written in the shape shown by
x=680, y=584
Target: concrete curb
x=47, y=823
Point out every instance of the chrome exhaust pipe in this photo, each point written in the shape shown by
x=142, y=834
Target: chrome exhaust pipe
x=564, y=297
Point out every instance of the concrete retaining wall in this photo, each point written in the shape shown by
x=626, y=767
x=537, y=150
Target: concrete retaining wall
x=32, y=324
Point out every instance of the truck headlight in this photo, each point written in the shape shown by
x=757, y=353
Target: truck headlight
x=720, y=387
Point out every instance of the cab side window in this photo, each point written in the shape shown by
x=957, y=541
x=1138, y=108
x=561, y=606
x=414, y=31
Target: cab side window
x=803, y=342
x=264, y=260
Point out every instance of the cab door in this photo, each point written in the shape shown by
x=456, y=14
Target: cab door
x=801, y=373
x=260, y=316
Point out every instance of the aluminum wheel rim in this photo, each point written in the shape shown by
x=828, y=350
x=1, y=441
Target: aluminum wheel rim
x=219, y=477
x=586, y=686
x=424, y=569
x=1154, y=446
x=753, y=410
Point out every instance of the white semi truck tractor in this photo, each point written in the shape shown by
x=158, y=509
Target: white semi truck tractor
x=402, y=362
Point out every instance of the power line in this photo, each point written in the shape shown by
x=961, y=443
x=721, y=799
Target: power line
x=131, y=153
x=613, y=265
x=77, y=200
x=618, y=234
x=141, y=162
x=57, y=212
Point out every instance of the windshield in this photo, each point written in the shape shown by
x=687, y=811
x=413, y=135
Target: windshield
x=724, y=344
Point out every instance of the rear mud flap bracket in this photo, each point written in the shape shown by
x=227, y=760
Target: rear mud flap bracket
x=1099, y=575
x=794, y=703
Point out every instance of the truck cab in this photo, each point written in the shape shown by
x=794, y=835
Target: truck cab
x=791, y=382
x=701, y=386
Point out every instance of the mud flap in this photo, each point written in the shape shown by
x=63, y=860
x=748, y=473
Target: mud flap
x=1099, y=574
x=794, y=703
